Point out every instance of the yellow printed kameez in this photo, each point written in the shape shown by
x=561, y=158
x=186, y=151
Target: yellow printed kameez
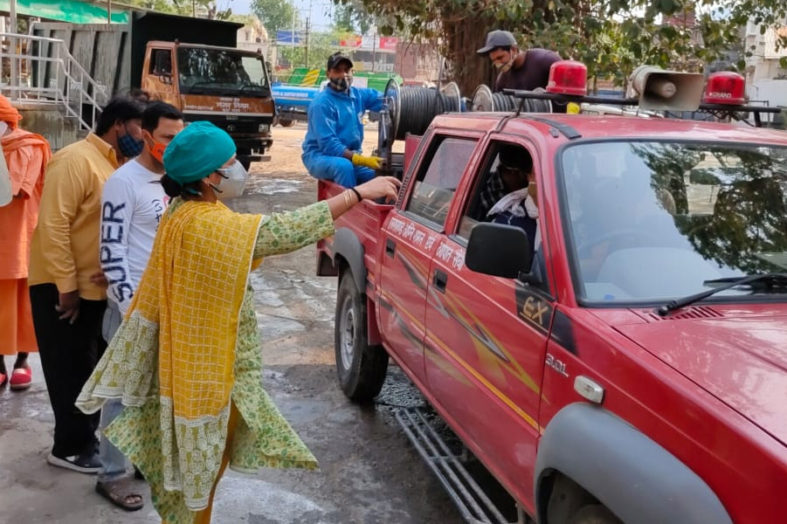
x=178, y=442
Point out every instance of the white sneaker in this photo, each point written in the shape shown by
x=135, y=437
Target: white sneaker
x=84, y=463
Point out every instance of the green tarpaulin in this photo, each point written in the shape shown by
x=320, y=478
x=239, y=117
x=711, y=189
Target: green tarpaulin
x=303, y=76
x=67, y=11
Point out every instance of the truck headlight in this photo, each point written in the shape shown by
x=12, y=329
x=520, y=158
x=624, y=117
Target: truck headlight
x=264, y=128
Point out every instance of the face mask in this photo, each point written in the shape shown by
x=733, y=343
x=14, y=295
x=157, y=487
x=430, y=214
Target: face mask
x=129, y=146
x=341, y=84
x=157, y=151
x=504, y=68
x=233, y=181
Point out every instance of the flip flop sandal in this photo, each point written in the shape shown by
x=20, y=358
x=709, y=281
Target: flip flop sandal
x=21, y=378
x=118, y=492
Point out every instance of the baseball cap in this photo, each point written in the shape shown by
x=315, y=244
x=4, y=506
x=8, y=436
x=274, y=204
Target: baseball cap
x=495, y=39
x=337, y=58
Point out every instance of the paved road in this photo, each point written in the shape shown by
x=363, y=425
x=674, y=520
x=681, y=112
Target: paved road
x=368, y=472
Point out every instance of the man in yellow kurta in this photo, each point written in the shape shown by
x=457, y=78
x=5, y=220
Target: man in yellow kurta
x=186, y=360
x=26, y=154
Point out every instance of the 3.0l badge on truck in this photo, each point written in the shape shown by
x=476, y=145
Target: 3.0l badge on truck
x=556, y=364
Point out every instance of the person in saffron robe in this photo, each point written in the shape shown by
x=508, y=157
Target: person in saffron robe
x=26, y=155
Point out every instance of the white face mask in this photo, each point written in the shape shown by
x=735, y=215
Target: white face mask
x=233, y=180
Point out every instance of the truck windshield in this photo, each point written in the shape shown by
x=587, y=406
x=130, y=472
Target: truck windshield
x=221, y=72
x=652, y=221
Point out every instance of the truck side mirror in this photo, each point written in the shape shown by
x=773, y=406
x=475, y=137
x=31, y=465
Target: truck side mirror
x=499, y=250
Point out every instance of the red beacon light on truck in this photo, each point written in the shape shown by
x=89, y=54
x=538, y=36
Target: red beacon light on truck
x=725, y=88
x=568, y=77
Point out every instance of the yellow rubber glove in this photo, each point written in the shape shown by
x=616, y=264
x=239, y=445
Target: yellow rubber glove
x=374, y=162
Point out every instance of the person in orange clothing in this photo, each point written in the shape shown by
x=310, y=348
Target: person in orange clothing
x=26, y=155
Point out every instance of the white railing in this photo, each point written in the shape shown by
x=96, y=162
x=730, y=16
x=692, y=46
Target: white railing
x=40, y=71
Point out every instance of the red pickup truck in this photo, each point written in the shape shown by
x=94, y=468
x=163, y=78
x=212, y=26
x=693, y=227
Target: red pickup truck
x=626, y=363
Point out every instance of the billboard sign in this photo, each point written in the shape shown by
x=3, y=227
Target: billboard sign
x=288, y=37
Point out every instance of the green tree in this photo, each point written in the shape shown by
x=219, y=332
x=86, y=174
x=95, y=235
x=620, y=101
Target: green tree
x=351, y=16
x=321, y=46
x=275, y=14
x=610, y=36
x=185, y=7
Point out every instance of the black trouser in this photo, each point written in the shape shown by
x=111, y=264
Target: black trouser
x=69, y=352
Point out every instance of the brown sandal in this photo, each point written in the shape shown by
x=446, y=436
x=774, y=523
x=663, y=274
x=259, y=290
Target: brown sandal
x=118, y=492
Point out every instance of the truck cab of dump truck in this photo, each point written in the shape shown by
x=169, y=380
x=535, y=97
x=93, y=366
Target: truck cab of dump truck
x=226, y=86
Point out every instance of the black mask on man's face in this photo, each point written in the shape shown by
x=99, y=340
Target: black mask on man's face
x=341, y=84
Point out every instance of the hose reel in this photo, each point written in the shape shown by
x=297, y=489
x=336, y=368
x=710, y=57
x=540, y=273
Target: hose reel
x=412, y=109
x=485, y=100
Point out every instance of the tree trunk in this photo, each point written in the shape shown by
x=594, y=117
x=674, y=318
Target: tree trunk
x=463, y=38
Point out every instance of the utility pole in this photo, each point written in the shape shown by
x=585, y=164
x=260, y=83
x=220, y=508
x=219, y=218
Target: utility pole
x=291, y=60
x=308, y=34
x=109, y=11
x=374, y=48
x=306, y=57
x=292, y=34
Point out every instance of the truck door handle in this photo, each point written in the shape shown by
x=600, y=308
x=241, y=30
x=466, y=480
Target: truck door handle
x=390, y=247
x=439, y=279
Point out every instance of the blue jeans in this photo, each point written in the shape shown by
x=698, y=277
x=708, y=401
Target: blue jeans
x=338, y=169
x=114, y=464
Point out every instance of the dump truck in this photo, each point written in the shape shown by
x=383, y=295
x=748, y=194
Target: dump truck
x=191, y=63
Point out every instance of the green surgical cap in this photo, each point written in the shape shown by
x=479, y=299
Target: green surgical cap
x=196, y=152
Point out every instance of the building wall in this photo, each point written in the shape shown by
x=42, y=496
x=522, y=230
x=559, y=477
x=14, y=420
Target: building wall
x=417, y=62
x=765, y=78
x=253, y=37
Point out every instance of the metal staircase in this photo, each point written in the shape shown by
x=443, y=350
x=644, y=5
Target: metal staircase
x=40, y=72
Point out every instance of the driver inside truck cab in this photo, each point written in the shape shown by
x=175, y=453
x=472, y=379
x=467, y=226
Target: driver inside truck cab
x=518, y=205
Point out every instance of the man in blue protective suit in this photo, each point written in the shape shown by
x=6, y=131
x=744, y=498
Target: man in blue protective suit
x=332, y=148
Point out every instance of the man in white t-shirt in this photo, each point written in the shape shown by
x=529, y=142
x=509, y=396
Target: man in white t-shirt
x=132, y=204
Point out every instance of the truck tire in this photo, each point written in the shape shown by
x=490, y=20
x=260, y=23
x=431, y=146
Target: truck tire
x=286, y=122
x=594, y=514
x=361, y=368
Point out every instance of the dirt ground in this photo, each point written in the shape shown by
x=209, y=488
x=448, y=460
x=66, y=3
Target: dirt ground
x=369, y=472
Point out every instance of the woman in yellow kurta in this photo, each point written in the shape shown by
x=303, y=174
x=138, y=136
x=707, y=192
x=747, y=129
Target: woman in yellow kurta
x=186, y=360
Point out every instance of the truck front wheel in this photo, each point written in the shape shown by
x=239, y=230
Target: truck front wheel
x=570, y=503
x=594, y=514
x=361, y=367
